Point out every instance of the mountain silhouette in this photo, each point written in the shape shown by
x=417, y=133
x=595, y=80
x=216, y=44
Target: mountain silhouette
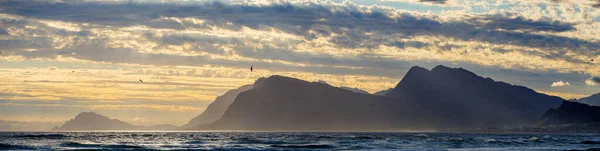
x=570, y=113
x=282, y=103
x=94, y=121
x=590, y=100
x=460, y=98
x=441, y=99
x=355, y=90
x=384, y=92
x=215, y=110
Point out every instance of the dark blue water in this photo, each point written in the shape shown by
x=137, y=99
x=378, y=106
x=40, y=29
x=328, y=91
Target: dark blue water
x=293, y=141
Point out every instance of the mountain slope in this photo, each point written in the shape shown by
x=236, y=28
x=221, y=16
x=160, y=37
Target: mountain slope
x=383, y=92
x=591, y=100
x=571, y=113
x=355, y=90
x=215, y=110
x=467, y=100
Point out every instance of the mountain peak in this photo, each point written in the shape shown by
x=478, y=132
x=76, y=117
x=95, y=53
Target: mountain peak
x=87, y=115
x=275, y=80
x=440, y=67
x=417, y=69
x=446, y=70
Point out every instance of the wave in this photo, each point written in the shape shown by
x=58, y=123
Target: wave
x=589, y=149
x=305, y=146
x=15, y=147
x=590, y=142
x=195, y=142
x=103, y=146
x=76, y=144
x=45, y=136
x=324, y=137
x=364, y=137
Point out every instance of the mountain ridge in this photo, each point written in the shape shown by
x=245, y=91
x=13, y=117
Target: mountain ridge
x=292, y=104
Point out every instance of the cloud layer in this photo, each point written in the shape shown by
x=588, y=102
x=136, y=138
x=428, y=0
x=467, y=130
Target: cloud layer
x=175, y=29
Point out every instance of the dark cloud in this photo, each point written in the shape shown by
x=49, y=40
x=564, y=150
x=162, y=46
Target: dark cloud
x=434, y=1
x=595, y=80
x=520, y=23
x=597, y=5
x=3, y=32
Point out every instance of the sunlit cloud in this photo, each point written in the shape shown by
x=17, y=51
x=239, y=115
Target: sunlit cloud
x=592, y=81
x=560, y=84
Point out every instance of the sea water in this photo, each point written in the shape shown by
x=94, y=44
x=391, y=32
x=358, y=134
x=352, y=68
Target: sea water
x=293, y=141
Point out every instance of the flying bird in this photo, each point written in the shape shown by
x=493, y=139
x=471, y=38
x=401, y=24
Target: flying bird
x=141, y=81
x=251, y=68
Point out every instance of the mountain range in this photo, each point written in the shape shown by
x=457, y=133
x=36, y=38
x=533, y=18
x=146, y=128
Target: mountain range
x=439, y=99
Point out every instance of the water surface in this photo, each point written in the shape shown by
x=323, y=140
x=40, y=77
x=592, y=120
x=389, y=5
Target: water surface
x=294, y=140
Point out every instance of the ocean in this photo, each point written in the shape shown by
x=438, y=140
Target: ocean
x=293, y=141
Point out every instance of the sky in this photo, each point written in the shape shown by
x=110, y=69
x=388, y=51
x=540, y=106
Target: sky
x=62, y=57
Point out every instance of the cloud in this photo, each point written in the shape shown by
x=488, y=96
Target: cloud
x=318, y=19
x=271, y=35
x=521, y=23
x=316, y=37
x=592, y=81
x=560, y=84
x=3, y=31
x=52, y=68
x=140, y=119
x=434, y=1
x=592, y=3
